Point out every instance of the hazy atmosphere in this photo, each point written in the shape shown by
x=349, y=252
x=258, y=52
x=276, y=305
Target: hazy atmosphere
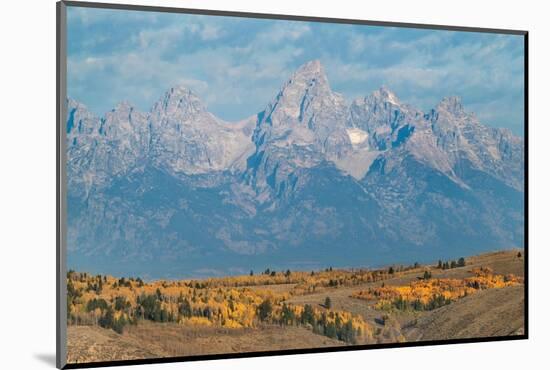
x=241, y=185
x=235, y=64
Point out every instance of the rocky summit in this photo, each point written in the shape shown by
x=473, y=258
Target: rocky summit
x=308, y=182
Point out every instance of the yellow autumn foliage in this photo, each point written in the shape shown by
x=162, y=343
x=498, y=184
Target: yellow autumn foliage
x=230, y=302
x=424, y=291
x=200, y=321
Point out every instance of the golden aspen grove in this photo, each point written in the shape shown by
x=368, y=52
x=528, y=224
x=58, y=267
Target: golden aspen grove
x=230, y=302
x=429, y=294
x=272, y=309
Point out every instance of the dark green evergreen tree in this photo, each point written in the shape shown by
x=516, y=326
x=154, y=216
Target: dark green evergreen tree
x=308, y=316
x=264, y=310
x=185, y=308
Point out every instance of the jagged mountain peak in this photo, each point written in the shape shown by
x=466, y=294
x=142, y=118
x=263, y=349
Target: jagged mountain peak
x=80, y=119
x=301, y=127
x=73, y=104
x=451, y=115
x=310, y=71
x=179, y=100
x=383, y=94
x=188, y=140
x=381, y=99
x=305, y=92
x=180, y=91
x=381, y=112
x=452, y=105
x=314, y=172
x=124, y=106
x=307, y=82
x=125, y=121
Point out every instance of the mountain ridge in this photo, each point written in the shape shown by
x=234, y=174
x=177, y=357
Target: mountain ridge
x=402, y=165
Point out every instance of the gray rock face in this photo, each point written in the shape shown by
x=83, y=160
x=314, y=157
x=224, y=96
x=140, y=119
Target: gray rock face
x=307, y=182
x=101, y=149
x=303, y=126
x=464, y=138
x=187, y=139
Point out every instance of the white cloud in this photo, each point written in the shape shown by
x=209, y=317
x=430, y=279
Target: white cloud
x=210, y=32
x=282, y=31
x=242, y=76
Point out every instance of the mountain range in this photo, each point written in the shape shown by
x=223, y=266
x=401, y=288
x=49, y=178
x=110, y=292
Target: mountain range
x=308, y=182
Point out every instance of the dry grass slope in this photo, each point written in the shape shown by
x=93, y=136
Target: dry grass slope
x=153, y=340
x=92, y=344
x=486, y=313
x=495, y=312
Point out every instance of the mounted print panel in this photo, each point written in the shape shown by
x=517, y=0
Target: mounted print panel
x=239, y=184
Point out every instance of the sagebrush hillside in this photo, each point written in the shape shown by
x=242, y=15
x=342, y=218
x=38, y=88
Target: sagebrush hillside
x=295, y=309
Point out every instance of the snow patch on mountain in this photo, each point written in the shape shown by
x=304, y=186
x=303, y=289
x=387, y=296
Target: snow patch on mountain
x=357, y=136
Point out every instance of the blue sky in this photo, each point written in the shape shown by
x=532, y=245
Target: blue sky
x=237, y=65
